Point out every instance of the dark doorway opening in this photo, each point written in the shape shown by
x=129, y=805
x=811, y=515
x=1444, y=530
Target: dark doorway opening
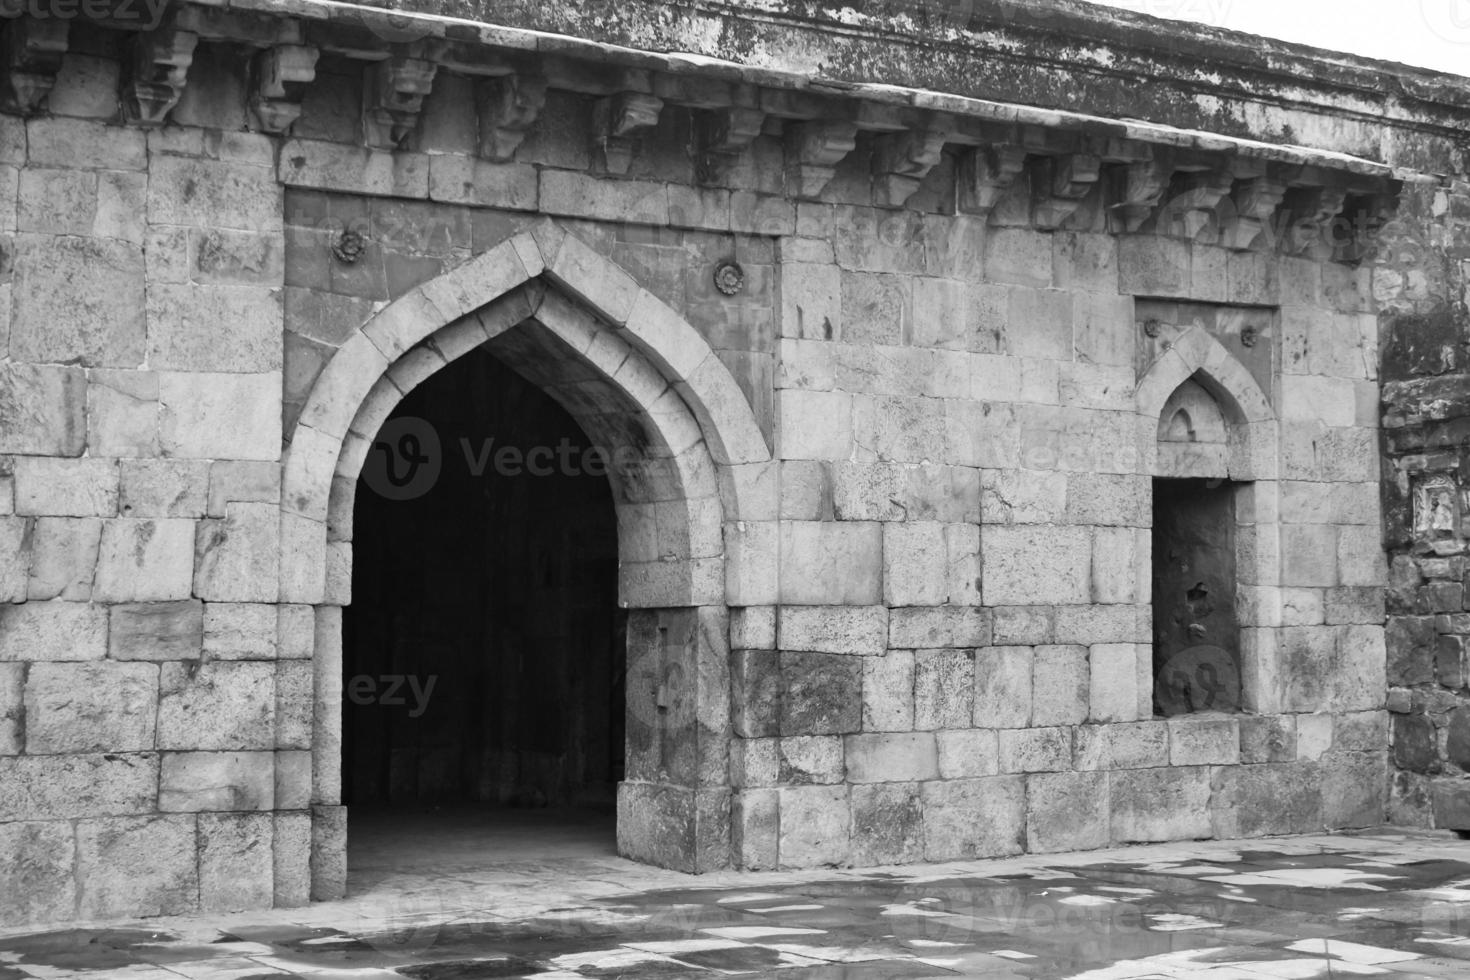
x=1196, y=633
x=484, y=650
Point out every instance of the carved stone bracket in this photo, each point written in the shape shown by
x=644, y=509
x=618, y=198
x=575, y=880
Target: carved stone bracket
x=33, y=50
x=724, y=134
x=1246, y=214
x=1190, y=211
x=1061, y=184
x=813, y=151
x=986, y=174
x=507, y=107
x=616, y=122
x=281, y=76
x=393, y=96
x=1310, y=214
x=902, y=160
x=155, y=74
x=1139, y=188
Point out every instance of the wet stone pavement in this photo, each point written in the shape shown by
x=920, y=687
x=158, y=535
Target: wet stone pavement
x=1390, y=904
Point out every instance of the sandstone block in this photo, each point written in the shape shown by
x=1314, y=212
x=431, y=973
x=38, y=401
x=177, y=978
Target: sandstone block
x=12, y=692
x=291, y=847
x=90, y=707
x=78, y=300
x=237, y=558
x=63, y=558
x=944, y=685
x=163, y=488
x=137, y=866
x=329, y=851
x=888, y=692
x=1267, y=738
x=236, y=861
x=156, y=631
x=1066, y=811
x=68, y=787
x=1204, y=741
x=890, y=758
x=967, y=753
x=1149, y=265
x=814, y=822
x=122, y=413
x=753, y=628
x=1116, y=673
x=1135, y=745
x=217, y=705
x=1035, y=749
x=1037, y=565
x=66, y=487
x=53, y=631
x=755, y=762
x=810, y=759
x=1022, y=496
x=220, y=416
x=853, y=630
x=217, y=781
x=295, y=698
x=887, y=824
x=938, y=627
x=1361, y=663
x=1354, y=789
x=814, y=424
x=831, y=563
x=821, y=694
x=226, y=194
x=974, y=818
x=1003, y=687
x=145, y=560
x=249, y=482
x=187, y=322
x=1018, y=255
x=1159, y=804
x=863, y=491
x=84, y=144
x=1250, y=801
x=911, y=576
x=37, y=879
x=293, y=780
x=755, y=679
x=240, y=630
x=1059, y=685
x=43, y=408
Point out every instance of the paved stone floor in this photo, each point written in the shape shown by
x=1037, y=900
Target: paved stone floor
x=558, y=904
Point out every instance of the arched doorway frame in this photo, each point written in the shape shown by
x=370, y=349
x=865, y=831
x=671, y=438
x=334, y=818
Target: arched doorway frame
x=715, y=539
x=1253, y=458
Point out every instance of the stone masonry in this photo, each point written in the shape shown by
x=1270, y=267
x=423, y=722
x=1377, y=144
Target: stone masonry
x=897, y=320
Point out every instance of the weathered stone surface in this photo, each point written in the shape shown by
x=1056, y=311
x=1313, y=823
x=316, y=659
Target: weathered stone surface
x=887, y=824
x=1203, y=741
x=967, y=754
x=163, y=488
x=888, y=692
x=831, y=563
x=861, y=630
x=220, y=416
x=122, y=413
x=217, y=705
x=815, y=829
x=755, y=679
x=186, y=324
x=1354, y=789
x=821, y=694
x=891, y=758
x=1066, y=811
x=1159, y=804
x=1003, y=687
x=78, y=300
x=1251, y=801
x=1414, y=745
x=1035, y=565
x=216, y=781
x=1059, y=685
x=63, y=558
x=1035, y=749
x=90, y=707
x=66, y=487
x=974, y=818
x=1137, y=745
x=238, y=558
x=944, y=684
x=37, y=878
x=291, y=847
x=236, y=861
x=71, y=786
x=137, y=866
x=936, y=627
x=145, y=560
x=240, y=631
x=53, y=631
x=809, y=760
x=44, y=409
x=1270, y=738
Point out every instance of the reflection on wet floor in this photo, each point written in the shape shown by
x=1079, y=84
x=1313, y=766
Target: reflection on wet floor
x=1390, y=905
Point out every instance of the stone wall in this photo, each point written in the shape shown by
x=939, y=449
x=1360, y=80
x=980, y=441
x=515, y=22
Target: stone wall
x=887, y=541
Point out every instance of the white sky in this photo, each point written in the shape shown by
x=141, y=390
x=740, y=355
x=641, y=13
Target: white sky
x=1428, y=33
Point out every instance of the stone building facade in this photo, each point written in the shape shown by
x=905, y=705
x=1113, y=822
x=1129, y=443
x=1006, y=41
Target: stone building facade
x=896, y=320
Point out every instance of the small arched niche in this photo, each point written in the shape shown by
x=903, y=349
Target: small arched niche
x=1192, y=435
